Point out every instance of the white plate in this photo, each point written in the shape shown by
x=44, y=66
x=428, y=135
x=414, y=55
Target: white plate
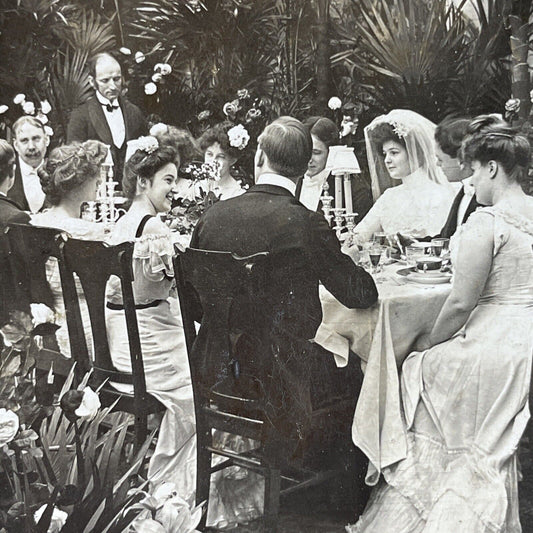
x=429, y=280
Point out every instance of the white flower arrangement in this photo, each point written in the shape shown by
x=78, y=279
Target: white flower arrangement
x=28, y=107
x=49, y=131
x=158, y=129
x=512, y=105
x=3, y=109
x=157, y=77
x=139, y=57
x=45, y=107
x=334, y=103
x=125, y=51
x=238, y=137
x=400, y=129
x=163, y=68
x=19, y=99
x=150, y=88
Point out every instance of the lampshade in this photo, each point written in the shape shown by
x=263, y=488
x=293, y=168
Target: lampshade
x=342, y=160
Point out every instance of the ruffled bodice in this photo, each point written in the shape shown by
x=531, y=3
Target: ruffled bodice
x=510, y=281
x=419, y=208
x=153, y=272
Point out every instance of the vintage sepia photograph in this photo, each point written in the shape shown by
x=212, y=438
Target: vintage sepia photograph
x=266, y=266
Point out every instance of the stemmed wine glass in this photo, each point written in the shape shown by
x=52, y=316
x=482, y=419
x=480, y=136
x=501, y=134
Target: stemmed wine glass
x=375, y=256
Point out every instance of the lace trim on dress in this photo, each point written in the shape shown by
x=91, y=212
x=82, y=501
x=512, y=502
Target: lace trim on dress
x=520, y=222
x=157, y=250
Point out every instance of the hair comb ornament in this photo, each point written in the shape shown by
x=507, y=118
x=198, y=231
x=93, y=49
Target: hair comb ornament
x=146, y=144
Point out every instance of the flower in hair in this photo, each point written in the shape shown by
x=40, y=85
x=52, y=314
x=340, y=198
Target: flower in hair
x=400, y=129
x=238, y=137
x=158, y=129
x=148, y=144
x=334, y=103
x=512, y=105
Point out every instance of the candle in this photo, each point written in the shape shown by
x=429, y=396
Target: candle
x=338, y=192
x=348, y=193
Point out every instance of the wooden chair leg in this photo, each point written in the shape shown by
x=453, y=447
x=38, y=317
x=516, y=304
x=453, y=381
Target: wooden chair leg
x=140, y=428
x=203, y=472
x=271, y=510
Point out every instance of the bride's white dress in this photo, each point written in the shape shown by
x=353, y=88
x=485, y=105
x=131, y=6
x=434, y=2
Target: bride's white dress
x=417, y=207
x=466, y=406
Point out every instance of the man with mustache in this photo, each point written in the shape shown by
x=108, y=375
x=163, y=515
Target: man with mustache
x=30, y=142
x=107, y=116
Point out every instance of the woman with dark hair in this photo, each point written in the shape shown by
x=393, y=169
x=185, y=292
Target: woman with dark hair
x=465, y=391
x=150, y=177
x=401, y=149
x=223, y=145
x=70, y=177
x=325, y=134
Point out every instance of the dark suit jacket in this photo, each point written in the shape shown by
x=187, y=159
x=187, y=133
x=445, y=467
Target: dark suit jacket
x=9, y=212
x=450, y=226
x=16, y=193
x=88, y=122
x=303, y=251
x=361, y=195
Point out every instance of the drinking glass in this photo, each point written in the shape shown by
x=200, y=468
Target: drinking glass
x=375, y=256
x=411, y=253
x=436, y=247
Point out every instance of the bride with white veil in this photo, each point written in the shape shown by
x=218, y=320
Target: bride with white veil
x=401, y=149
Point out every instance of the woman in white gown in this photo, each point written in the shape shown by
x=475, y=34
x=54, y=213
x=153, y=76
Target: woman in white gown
x=71, y=177
x=465, y=392
x=150, y=176
x=400, y=149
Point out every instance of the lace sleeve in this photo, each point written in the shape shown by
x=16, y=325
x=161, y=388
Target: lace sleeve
x=154, y=253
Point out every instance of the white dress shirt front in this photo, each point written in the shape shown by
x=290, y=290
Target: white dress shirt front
x=115, y=120
x=279, y=181
x=31, y=185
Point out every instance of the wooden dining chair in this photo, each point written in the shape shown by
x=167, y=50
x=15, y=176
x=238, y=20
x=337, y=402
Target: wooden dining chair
x=231, y=394
x=29, y=248
x=94, y=262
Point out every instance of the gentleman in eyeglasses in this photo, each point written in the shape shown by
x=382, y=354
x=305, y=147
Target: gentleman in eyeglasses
x=107, y=116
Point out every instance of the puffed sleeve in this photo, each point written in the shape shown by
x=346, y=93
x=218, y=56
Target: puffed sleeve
x=154, y=252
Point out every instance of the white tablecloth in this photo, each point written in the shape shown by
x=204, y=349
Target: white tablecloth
x=382, y=336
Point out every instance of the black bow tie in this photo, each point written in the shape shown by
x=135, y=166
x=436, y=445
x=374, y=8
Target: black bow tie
x=110, y=107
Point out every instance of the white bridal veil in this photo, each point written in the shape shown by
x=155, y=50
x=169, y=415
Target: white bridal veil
x=418, y=133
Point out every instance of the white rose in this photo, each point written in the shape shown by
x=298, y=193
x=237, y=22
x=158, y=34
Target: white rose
x=46, y=107
x=90, y=403
x=3, y=109
x=9, y=425
x=238, y=137
x=158, y=129
x=139, y=57
x=125, y=51
x=334, y=103
x=28, y=108
x=19, y=99
x=49, y=131
x=157, y=76
x=166, y=69
x=59, y=518
x=150, y=88
x=41, y=314
x=42, y=118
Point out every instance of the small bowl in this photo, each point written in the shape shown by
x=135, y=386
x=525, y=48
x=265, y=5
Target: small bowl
x=428, y=264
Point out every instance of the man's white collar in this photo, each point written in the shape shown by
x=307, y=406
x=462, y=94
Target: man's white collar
x=104, y=101
x=279, y=181
x=26, y=169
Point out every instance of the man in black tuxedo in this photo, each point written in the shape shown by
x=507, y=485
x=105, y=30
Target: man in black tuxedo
x=107, y=116
x=304, y=252
x=31, y=142
x=448, y=137
x=9, y=212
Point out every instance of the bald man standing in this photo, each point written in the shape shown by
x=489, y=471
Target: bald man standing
x=107, y=116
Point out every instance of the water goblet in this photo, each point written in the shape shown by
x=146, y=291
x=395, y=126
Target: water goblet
x=411, y=253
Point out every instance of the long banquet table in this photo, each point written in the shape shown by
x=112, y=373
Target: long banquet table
x=382, y=336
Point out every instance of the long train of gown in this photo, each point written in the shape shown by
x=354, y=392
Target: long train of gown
x=466, y=407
